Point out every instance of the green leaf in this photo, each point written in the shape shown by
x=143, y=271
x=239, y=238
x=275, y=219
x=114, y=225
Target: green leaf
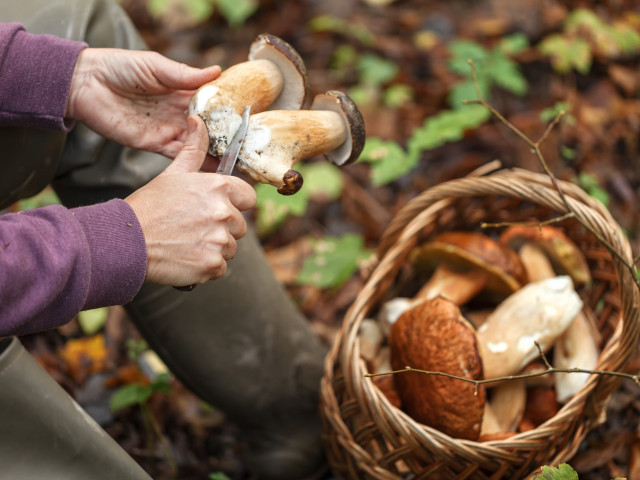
x=388, y=160
x=568, y=153
x=591, y=185
x=567, y=53
x=272, y=208
x=157, y=7
x=506, y=73
x=335, y=260
x=513, y=44
x=128, y=395
x=375, y=70
x=162, y=383
x=466, y=90
x=218, y=476
x=42, y=199
x=364, y=94
x=447, y=126
x=236, y=12
x=92, y=321
x=464, y=50
x=199, y=10
x=330, y=23
x=397, y=95
x=321, y=179
x=583, y=17
x=552, y=112
x=562, y=472
x=344, y=56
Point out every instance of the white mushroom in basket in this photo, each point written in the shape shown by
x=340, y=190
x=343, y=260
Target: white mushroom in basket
x=538, y=312
x=276, y=140
x=576, y=347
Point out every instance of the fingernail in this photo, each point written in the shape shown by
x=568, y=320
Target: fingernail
x=191, y=125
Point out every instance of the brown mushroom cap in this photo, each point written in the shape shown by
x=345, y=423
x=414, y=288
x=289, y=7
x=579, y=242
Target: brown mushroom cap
x=339, y=102
x=434, y=336
x=292, y=68
x=564, y=254
x=470, y=251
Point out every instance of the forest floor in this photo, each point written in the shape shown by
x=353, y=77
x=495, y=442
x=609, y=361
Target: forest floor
x=601, y=143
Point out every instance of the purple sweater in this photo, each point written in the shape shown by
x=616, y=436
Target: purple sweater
x=55, y=262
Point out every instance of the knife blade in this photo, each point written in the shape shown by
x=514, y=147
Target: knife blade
x=228, y=161
x=230, y=155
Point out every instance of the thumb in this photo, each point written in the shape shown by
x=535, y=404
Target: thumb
x=192, y=155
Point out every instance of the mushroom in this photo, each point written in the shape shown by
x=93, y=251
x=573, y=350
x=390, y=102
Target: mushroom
x=467, y=263
x=507, y=403
x=276, y=140
x=564, y=254
x=434, y=336
x=576, y=347
x=538, y=312
x=274, y=77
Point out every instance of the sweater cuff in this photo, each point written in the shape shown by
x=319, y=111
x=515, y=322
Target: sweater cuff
x=36, y=77
x=118, y=252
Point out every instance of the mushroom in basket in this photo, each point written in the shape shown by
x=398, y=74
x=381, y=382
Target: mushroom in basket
x=464, y=264
x=541, y=249
x=434, y=336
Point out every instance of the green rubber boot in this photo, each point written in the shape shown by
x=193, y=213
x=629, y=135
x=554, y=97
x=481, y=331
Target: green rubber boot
x=45, y=434
x=239, y=343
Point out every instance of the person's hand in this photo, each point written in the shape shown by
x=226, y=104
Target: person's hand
x=190, y=219
x=136, y=98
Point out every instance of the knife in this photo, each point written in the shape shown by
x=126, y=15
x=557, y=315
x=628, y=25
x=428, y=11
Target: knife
x=228, y=161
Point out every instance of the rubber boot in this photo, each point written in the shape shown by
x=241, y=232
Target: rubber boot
x=240, y=344
x=45, y=434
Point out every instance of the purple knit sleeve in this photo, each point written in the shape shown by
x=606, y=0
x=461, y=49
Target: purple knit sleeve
x=55, y=262
x=35, y=77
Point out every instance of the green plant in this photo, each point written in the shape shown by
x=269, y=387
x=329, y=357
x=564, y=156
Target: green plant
x=591, y=185
x=321, y=180
x=235, y=12
x=42, y=199
x=333, y=261
x=562, y=472
x=585, y=35
x=218, y=476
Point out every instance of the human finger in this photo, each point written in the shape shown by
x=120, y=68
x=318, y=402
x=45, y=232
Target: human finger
x=180, y=76
x=193, y=153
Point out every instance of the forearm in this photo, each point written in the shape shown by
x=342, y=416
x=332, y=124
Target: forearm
x=35, y=77
x=56, y=262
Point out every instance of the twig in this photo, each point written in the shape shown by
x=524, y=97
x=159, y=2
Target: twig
x=476, y=383
x=535, y=146
x=551, y=221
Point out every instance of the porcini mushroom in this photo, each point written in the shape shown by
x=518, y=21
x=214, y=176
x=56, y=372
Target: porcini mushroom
x=564, y=254
x=466, y=264
x=576, y=347
x=276, y=140
x=434, y=336
x=274, y=77
x=538, y=312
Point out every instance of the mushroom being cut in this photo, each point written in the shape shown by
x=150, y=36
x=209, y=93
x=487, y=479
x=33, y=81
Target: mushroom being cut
x=468, y=263
x=434, y=336
x=276, y=140
x=274, y=77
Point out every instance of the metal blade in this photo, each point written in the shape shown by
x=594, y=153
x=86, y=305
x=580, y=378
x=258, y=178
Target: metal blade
x=230, y=156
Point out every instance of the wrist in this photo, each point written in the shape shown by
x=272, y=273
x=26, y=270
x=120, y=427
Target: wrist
x=79, y=79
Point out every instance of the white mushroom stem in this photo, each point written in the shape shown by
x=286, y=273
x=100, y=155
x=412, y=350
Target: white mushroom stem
x=538, y=312
x=276, y=140
x=505, y=408
x=576, y=347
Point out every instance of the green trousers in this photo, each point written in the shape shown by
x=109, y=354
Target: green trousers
x=238, y=342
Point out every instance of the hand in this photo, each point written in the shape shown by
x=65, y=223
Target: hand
x=190, y=219
x=136, y=98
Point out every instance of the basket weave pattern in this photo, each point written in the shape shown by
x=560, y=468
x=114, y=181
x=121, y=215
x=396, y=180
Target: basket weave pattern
x=366, y=437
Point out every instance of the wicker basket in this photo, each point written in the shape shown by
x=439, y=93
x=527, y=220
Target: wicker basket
x=368, y=438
